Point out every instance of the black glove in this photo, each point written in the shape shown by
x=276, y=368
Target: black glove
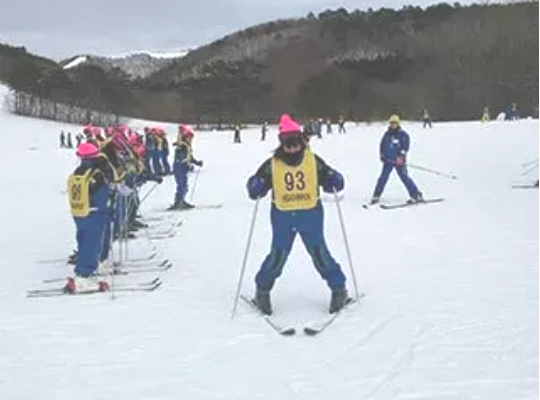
x=199, y=163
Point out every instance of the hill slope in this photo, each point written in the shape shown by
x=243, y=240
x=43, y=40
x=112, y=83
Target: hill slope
x=453, y=60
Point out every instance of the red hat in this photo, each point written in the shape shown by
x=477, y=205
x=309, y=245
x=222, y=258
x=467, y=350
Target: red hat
x=186, y=131
x=87, y=150
x=88, y=129
x=288, y=127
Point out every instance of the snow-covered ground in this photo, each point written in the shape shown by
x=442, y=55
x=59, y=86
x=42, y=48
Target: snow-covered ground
x=451, y=306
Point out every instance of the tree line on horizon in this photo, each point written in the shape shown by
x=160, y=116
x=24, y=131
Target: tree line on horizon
x=453, y=60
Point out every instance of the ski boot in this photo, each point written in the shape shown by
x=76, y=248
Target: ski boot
x=340, y=298
x=418, y=199
x=374, y=200
x=138, y=224
x=186, y=206
x=263, y=302
x=176, y=206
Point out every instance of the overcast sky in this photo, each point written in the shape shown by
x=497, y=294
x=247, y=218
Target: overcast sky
x=62, y=28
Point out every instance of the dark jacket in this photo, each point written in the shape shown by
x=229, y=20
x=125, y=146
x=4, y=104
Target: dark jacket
x=394, y=143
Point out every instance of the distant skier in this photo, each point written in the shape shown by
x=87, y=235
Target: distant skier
x=69, y=142
x=511, y=112
x=328, y=126
x=294, y=175
x=393, y=154
x=320, y=124
x=183, y=160
x=79, y=139
x=237, y=138
x=88, y=191
x=62, y=139
x=341, y=124
x=426, y=119
x=485, y=115
x=264, y=130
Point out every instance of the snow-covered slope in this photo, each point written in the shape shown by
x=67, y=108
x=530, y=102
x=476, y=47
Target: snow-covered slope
x=451, y=306
x=137, y=64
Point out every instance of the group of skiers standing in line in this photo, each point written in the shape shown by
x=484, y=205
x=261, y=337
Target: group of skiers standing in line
x=103, y=192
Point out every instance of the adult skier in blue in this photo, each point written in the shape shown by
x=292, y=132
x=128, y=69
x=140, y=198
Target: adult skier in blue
x=294, y=175
x=393, y=154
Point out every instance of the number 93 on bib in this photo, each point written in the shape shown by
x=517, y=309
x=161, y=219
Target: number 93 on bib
x=295, y=187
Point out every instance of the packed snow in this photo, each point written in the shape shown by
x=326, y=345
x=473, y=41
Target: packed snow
x=451, y=289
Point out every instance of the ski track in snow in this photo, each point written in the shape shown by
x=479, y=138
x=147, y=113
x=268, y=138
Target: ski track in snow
x=451, y=306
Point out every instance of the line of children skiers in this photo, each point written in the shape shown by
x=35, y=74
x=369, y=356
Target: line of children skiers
x=103, y=192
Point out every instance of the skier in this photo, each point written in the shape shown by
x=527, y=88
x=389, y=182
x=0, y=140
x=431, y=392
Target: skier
x=183, y=160
x=157, y=154
x=341, y=124
x=165, y=153
x=319, y=128
x=485, y=115
x=294, y=175
x=264, y=129
x=426, y=119
x=88, y=193
x=393, y=153
x=149, y=145
x=62, y=139
x=69, y=142
x=237, y=134
x=328, y=126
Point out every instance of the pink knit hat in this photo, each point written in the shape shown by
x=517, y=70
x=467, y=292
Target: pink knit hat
x=87, y=150
x=288, y=127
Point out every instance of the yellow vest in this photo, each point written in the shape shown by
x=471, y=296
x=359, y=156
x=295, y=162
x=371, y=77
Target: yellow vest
x=295, y=187
x=79, y=193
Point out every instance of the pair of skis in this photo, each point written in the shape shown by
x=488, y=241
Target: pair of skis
x=312, y=329
x=395, y=206
x=147, y=286
x=127, y=269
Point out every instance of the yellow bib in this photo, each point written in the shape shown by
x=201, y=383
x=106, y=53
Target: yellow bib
x=79, y=193
x=295, y=187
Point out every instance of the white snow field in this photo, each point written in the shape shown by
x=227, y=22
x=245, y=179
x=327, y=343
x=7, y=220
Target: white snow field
x=451, y=305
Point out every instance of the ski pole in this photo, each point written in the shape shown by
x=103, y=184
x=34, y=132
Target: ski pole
x=527, y=172
x=347, y=248
x=194, y=185
x=432, y=171
x=246, y=254
x=148, y=193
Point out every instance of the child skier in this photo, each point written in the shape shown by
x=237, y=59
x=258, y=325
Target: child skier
x=294, y=175
x=88, y=195
x=183, y=160
x=165, y=153
x=393, y=152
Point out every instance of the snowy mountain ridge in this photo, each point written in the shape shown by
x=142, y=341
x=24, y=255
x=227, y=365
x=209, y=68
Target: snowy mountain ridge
x=137, y=64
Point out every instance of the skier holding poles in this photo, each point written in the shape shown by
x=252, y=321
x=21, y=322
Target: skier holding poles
x=393, y=152
x=294, y=175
